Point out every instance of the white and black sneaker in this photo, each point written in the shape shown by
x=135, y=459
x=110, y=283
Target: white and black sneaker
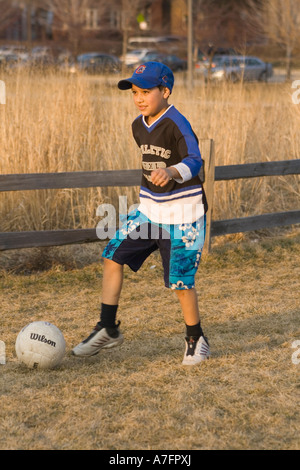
x=100, y=338
x=196, y=350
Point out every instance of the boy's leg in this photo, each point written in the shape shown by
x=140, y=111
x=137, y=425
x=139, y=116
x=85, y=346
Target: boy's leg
x=189, y=305
x=124, y=248
x=106, y=333
x=181, y=259
x=112, y=282
x=197, y=347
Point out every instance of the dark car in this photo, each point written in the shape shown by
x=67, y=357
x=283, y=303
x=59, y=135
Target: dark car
x=212, y=50
x=212, y=56
x=97, y=62
x=175, y=63
x=139, y=56
x=8, y=60
x=43, y=55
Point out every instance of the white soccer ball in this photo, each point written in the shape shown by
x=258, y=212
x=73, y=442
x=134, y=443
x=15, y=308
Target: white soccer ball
x=40, y=345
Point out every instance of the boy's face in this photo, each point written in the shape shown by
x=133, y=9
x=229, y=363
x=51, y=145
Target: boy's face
x=151, y=102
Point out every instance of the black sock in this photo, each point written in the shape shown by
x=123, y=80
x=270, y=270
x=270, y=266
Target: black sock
x=108, y=315
x=194, y=330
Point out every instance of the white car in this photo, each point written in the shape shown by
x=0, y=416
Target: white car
x=138, y=56
x=21, y=52
x=236, y=68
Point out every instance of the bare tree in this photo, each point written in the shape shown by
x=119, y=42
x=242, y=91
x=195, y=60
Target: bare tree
x=229, y=23
x=126, y=19
x=281, y=22
x=28, y=5
x=8, y=10
x=70, y=16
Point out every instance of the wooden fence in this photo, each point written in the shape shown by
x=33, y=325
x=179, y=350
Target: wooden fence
x=121, y=178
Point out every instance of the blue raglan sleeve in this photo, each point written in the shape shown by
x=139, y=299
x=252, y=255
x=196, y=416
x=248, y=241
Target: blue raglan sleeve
x=188, y=149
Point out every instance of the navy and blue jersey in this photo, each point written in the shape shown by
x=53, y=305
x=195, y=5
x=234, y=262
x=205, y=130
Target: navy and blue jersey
x=170, y=141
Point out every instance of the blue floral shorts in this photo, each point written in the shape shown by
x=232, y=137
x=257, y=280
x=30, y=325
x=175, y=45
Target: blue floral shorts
x=180, y=247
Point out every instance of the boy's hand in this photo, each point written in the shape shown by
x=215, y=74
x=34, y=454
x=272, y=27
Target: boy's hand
x=162, y=176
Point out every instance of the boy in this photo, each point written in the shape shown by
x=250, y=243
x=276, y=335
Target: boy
x=170, y=216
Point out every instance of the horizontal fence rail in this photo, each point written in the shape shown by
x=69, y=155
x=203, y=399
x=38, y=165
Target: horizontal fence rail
x=76, y=179
x=47, y=238
x=123, y=178
x=256, y=222
x=255, y=170
x=16, y=240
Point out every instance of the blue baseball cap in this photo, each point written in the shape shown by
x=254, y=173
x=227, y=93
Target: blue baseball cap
x=149, y=75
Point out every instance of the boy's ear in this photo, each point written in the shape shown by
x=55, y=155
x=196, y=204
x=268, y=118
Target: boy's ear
x=166, y=92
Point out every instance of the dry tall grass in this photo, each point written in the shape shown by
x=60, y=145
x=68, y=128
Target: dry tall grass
x=54, y=122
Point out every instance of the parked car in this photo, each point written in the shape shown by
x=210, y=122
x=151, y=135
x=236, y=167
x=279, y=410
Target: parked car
x=207, y=62
x=96, y=62
x=8, y=60
x=236, y=68
x=213, y=54
x=43, y=55
x=212, y=50
x=151, y=56
x=21, y=52
x=165, y=43
x=138, y=56
x=201, y=59
x=175, y=63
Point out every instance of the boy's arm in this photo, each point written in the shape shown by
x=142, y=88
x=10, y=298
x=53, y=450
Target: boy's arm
x=188, y=148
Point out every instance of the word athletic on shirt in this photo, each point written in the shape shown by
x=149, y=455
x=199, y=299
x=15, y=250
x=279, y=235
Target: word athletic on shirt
x=154, y=150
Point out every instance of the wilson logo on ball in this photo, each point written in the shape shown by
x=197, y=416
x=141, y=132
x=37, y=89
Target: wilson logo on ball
x=42, y=339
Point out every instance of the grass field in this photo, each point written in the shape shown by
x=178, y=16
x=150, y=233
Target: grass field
x=139, y=396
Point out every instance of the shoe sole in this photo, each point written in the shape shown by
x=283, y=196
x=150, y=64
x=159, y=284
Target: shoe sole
x=193, y=362
x=112, y=344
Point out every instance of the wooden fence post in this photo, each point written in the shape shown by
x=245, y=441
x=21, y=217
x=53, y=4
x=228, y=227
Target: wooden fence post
x=208, y=155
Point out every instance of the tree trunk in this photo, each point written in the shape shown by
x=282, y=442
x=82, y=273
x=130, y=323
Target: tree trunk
x=288, y=63
x=28, y=23
x=124, y=48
